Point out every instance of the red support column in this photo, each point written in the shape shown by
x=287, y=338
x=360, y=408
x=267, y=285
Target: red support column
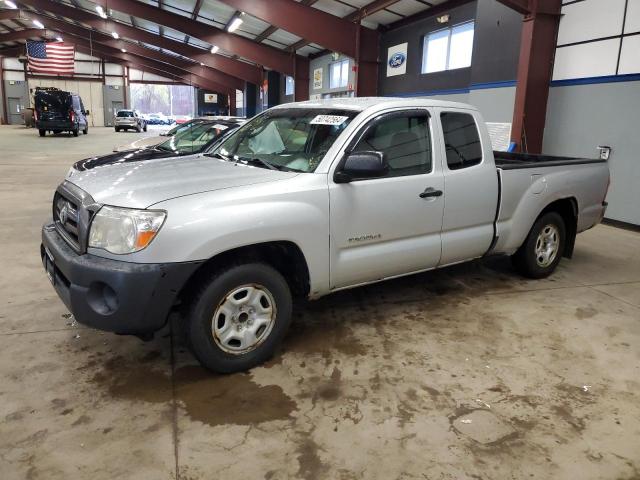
x=232, y=103
x=301, y=78
x=4, y=96
x=367, y=62
x=535, y=68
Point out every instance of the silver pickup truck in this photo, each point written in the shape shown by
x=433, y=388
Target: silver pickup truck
x=304, y=200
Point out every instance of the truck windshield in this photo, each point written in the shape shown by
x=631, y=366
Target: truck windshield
x=290, y=139
x=194, y=138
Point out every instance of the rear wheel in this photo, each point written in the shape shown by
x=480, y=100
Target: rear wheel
x=138, y=129
x=145, y=127
x=238, y=317
x=42, y=133
x=75, y=132
x=117, y=129
x=541, y=252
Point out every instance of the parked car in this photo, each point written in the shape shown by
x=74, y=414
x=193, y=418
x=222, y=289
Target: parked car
x=304, y=200
x=129, y=119
x=156, y=140
x=191, y=140
x=58, y=111
x=159, y=119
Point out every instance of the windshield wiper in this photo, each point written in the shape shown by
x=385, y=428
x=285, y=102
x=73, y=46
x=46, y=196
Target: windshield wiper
x=217, y=155
x=264, y=163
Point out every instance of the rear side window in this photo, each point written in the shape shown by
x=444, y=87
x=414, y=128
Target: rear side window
x=76, y=103
x=404, y=140
x=461, y=140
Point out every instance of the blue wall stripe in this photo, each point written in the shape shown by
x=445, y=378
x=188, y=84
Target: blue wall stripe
x=633, y=77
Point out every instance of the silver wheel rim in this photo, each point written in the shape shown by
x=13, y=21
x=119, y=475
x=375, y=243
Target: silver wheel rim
x=547, y=245
x=243, y=319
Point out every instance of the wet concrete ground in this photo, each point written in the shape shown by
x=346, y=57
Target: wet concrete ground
x=466, y=373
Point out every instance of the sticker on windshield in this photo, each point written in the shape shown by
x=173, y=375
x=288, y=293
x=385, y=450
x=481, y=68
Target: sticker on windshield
x=328, y=120
x=217, y=126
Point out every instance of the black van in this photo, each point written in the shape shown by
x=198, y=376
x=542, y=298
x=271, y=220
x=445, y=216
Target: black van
x=57, y=111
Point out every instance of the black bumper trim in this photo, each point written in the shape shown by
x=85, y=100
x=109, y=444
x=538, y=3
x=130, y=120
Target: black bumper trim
x=112, y=295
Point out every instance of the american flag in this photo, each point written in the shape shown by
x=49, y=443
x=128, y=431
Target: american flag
x=50, y=57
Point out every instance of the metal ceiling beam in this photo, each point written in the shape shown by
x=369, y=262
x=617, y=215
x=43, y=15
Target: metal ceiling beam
x=242, y=70
x=369, y=9
x=307, y=22
x=261, y=54
x=21, y=34
x=267, y=32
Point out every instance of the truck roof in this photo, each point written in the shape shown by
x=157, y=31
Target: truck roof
x=363, y=103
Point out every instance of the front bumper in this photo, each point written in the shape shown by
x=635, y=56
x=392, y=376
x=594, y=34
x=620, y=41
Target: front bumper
x=112, y=295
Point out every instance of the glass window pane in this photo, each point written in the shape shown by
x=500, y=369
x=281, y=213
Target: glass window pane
x=334, y=81
x=461, y=46
x=461, y=140
x=405, y=142
x=435, y=52
x=345, y=73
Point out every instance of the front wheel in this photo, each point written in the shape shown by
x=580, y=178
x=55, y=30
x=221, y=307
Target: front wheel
x=145, y=127
x=117, y=129
x=542, y=250
x=86, y=130
x=42, y=132
x=238, y=317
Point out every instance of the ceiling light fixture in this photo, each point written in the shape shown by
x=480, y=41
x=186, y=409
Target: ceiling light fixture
x=10, y=4
x=235, y=22
x=101, y=11
x=123, y=50
x=115, y=35
x=58, y=38
x=215, y=49
x=38, y=23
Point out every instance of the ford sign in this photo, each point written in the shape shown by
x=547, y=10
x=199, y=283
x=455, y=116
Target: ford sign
x=397, y=59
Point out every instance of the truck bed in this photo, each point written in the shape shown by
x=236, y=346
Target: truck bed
x=512, y=161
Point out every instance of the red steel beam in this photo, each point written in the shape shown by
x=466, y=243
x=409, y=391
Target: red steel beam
x=316, y=26
x=242, y=70
x=261, y=54
x=535, y=67
x=370, y=9
x=20, y=34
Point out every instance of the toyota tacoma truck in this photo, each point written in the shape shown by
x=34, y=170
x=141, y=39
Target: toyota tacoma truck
x=304, y=200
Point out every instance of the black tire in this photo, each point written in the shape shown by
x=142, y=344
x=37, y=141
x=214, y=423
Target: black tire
x=55, y=132
x=117, y=129
x=145, y=127
x=526, y=259
x=138, y=129
x=42, y=133
x=86, y=130
x=75, y=132
x=212, y=292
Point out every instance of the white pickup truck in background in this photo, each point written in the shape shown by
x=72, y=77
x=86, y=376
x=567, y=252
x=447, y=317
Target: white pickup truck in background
x=303, y=200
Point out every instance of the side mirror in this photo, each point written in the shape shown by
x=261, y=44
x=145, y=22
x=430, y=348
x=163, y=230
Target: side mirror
x=362, y=165
x=86, y=112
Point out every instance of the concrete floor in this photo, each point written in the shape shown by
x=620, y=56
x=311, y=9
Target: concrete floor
x=466, y=373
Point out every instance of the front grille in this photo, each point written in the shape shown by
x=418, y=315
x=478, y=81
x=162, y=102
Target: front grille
x=73, y=210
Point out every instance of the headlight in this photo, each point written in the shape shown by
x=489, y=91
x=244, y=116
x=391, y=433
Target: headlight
x=124, y=230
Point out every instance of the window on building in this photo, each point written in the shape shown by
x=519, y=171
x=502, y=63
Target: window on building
x=448, y=49
x=339, y=74
x=405, y=141
x=461, y=140
x=288, y=85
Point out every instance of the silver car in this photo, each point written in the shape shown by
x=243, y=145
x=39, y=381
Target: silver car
x=129, y=119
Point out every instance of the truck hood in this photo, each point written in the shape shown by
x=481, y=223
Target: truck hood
x=144, y=183
x=122, y=157
x=140, y=143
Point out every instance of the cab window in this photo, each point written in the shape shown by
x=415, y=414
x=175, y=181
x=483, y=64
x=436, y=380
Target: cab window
x=461, y=140
x=405, y=141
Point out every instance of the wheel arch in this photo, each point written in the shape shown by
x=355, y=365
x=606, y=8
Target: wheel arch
x=283, y=255
x=567, y=208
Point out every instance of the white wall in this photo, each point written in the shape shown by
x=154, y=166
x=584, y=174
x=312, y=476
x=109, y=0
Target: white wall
x=585, y=47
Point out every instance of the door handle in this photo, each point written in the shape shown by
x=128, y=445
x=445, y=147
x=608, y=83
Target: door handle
x=431, y=192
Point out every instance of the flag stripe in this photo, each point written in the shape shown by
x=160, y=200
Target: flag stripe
x=51, y=57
